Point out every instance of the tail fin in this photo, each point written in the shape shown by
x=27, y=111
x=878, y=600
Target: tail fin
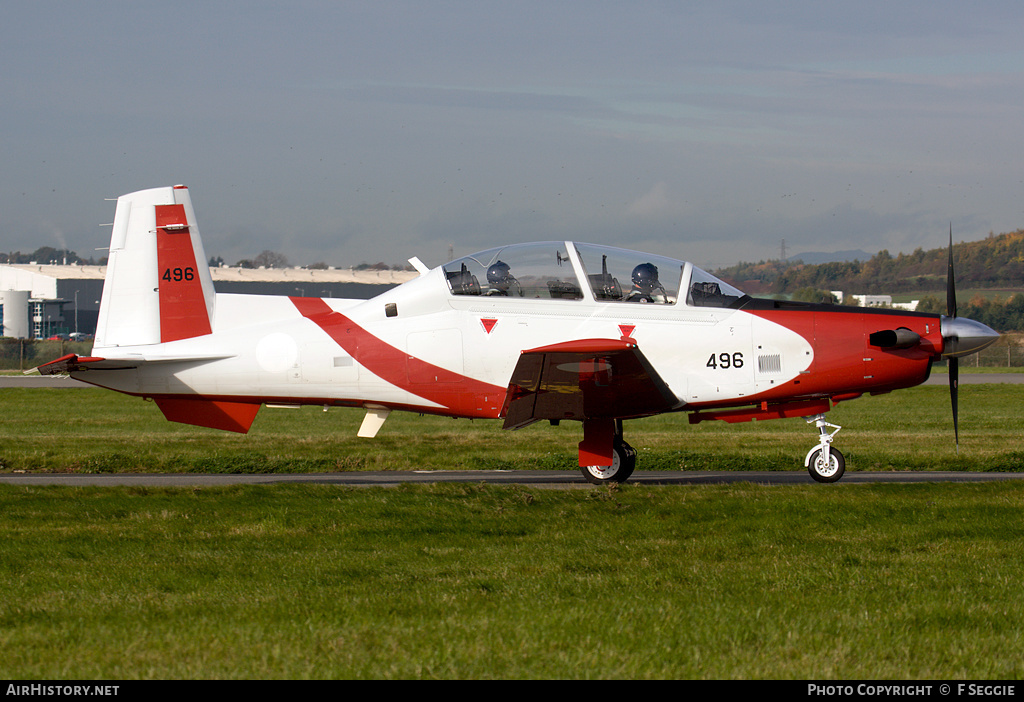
x=158, y=286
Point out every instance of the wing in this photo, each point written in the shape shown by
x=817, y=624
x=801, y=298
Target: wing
x=585, y=379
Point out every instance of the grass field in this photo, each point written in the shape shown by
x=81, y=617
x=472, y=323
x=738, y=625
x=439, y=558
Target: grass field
x=468, y=581
x=92, y=430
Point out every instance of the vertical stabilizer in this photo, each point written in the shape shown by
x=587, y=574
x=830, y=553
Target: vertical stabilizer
x=158, y=286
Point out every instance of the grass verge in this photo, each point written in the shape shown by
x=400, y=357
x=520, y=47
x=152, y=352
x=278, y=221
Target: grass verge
x=92, y=430
x=470, y=581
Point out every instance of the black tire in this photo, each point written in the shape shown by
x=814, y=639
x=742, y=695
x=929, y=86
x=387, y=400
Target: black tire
x=623, y=463
x=827, y=473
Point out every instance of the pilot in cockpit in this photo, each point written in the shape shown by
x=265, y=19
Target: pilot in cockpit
x=501, y=281
x=646, y=286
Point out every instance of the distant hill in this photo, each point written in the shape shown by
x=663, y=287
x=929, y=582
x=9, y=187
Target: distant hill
x=824, y=257
x=993, y=262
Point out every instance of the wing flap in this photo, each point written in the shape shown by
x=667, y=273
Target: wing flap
x=584, y=379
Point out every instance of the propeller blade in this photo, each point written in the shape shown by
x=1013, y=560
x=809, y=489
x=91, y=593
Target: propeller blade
x=953, y=363
x=954, y=383
x=950, y=283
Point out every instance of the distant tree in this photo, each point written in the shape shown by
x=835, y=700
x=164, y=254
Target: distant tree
x=48, y=254
x=813, y=295
x=270, y=259
x=216, y=262
x=1015, y=312
x=318, y=266
x=997, y=261
x=931, y=304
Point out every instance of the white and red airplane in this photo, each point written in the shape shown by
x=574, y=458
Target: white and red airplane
x=552, y=330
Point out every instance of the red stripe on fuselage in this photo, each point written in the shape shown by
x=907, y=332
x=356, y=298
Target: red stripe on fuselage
x=464, y=396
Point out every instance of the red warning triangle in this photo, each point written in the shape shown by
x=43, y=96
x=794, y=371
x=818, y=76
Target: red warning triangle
x=488, y=324
x=627, y=330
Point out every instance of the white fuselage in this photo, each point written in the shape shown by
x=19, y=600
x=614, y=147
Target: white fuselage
x=263, y=347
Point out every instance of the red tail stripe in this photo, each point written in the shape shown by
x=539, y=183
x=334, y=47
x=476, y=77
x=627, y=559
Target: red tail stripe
x=183, y=312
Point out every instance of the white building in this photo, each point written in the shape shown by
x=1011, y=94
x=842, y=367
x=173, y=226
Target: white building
x=884, y=301
x=39, y=301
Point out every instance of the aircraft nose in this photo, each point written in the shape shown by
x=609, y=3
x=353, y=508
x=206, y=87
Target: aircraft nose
x=962, y=336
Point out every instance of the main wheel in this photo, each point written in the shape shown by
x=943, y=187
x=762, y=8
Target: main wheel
x=827, y=472
x=623, y=463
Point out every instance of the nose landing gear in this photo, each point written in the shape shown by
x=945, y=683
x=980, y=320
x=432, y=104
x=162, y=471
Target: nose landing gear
x=824, y=463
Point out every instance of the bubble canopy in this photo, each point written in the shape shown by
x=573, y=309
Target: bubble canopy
x=545, y=270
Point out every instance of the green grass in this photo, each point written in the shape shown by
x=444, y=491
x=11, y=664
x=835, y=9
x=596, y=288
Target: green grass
x=92, y=430
x=470, y=581
x=977, y=370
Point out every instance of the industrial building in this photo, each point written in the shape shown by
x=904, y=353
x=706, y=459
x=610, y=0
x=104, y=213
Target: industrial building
x=43, y=301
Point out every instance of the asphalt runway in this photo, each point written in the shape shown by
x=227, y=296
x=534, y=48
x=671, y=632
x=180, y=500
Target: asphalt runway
x=564, y=479
x=40, y=381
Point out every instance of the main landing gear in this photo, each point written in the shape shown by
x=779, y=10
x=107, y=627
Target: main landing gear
x=623, y=455
x=824, y=463
x=623, y=463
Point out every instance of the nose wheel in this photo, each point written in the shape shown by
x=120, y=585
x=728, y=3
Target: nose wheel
x=824, y=463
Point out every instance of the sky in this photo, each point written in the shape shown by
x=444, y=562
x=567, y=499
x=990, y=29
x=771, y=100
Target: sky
x=348, y=132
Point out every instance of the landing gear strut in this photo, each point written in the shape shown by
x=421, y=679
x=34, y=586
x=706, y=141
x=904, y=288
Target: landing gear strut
x=824, y=463
x=623, y=456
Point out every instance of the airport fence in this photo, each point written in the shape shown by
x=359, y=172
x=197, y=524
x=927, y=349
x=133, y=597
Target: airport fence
x=1008, y=352
x=25, y=354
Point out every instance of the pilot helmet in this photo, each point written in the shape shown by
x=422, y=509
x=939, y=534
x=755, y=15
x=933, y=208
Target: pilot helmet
x=645, y=276
x=499, y=274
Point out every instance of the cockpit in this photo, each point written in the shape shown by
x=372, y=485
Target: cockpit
x=563, y=270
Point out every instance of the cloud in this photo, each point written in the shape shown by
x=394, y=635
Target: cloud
x=655, y=203
x=369, y=131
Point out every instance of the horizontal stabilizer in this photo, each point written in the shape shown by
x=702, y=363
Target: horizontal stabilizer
x=585, y=379
x=73, y=363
